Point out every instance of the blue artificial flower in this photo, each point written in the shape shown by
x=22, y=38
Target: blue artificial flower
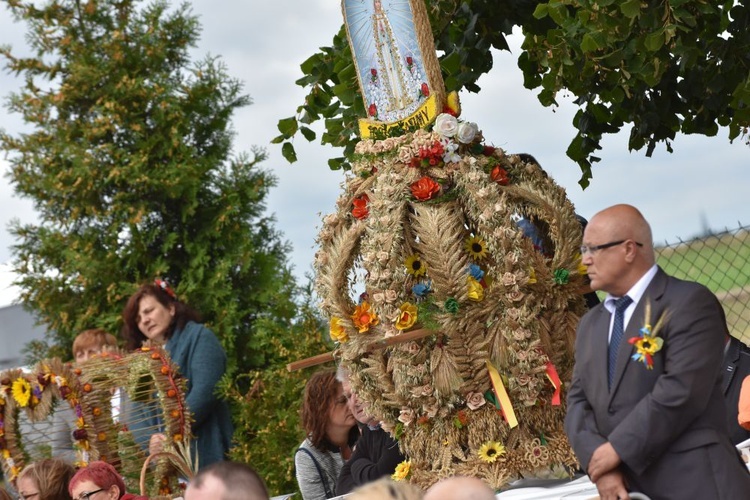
x=476, y=272
x=420, y=290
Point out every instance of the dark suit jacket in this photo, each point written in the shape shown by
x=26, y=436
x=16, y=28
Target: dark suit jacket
x=736, y=368
x=668, y=423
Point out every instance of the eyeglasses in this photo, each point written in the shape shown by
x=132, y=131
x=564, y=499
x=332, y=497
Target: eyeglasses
x=88, y=495
x=595, y=248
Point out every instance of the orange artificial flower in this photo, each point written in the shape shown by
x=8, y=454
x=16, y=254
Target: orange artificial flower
x=500, y=175
x=424, y=189
x=364, y=317
x=361, y=210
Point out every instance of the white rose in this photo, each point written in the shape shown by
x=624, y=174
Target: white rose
x=446, y=125
x=406, y=416
x=431, y=410
x=467, y=131
x=475, y=400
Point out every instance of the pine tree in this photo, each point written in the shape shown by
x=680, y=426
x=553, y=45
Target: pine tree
x=128, y=158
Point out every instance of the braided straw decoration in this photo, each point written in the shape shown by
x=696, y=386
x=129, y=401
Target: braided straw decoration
x=520, y=315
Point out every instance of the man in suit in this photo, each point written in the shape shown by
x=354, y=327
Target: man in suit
x=651, y=417
x=736, y=368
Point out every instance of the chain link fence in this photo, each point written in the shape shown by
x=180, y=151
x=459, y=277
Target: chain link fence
x=720, y=261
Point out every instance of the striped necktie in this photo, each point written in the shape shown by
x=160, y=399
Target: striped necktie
x=618, y=328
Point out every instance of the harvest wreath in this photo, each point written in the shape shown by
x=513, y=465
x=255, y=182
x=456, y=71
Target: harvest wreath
x=146, y=377
x=439, y=231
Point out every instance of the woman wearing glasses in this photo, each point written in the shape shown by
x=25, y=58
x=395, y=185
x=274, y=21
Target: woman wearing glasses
x=99, y=481
x=45, y=479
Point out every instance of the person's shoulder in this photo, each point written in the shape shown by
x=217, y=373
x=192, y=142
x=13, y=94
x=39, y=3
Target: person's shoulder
x=196, y=331
x=687, y=289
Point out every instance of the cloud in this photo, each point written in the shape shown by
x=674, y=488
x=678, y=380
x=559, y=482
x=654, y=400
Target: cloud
x=263, y=45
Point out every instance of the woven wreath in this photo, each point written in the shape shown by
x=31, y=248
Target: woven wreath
x=144, y=375
x=33, y=398
x=434, y=230
x=147, y=376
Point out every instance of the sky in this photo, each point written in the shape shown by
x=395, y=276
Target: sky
x=703, y=184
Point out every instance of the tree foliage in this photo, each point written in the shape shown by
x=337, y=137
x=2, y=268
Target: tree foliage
x=661, y=67
x=268, y=401
x=128, y=160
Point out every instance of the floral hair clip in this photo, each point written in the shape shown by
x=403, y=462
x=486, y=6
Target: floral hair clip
x=165, y=286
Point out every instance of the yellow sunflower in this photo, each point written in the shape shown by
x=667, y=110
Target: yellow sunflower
x=414, y=265
x=490, y=450
x=21, y=390
x=337, y=331
x=402, y=471
x=476, y=247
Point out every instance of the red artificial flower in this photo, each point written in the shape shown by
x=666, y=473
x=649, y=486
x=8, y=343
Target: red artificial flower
x=500, y=175
x=409, y=61
x=462, y=417
x=372, y=110
x=64, y=391
x=488, y=151
x=425, y=90
x=424, y=189
x=373, y=72
x=360, y=210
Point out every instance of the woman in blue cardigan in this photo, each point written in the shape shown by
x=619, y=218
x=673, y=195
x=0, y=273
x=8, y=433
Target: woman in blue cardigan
x=154, y=313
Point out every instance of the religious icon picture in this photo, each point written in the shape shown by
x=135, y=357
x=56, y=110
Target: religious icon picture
x=398, y=76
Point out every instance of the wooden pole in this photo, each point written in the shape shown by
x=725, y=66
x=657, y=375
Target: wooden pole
x=380, y=344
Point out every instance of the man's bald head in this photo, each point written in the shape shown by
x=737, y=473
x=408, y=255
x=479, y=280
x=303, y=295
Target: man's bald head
x=460, y=488
x=619, y=247
x=626, y=222
x=226, y=481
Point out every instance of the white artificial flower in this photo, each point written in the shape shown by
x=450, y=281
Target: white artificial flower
x=446, y=125
x=466, y=132
x=450, y=157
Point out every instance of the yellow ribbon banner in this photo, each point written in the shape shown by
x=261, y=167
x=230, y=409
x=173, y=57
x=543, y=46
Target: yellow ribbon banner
x=502, y=396
x=423, y=116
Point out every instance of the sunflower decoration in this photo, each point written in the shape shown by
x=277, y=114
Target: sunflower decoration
x=402, y=472
x=21, y=390
x=490, y=451
x=476, y=247
x=414, y=265
x=648, y=342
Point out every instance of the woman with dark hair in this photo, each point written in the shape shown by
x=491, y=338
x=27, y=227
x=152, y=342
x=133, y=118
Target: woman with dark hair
x=45, y=479
x=99, y=481
x=154, y=313
x=331, y=432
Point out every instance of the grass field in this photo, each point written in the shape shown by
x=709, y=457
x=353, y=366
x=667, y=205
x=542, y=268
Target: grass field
x=722, y=263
